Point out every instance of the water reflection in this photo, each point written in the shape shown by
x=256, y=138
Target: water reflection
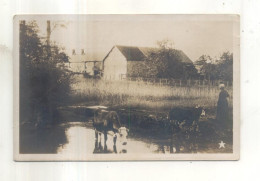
x=84, y=141
x=99, y=148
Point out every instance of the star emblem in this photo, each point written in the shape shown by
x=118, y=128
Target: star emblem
x=222, y=144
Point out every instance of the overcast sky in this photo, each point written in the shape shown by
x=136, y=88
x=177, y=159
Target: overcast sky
x=195, y=35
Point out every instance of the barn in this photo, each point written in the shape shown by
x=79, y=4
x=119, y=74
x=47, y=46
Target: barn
x=123, y=61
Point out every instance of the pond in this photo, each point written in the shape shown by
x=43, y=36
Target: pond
x=82, y=141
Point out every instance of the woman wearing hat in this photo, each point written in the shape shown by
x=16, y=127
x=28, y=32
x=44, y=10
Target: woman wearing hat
x=222, y=107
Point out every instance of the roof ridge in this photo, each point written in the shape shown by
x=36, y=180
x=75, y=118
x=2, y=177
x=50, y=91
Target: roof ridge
x=143, y=47
x=136, y=53
x=134, y=46
x=125, y=45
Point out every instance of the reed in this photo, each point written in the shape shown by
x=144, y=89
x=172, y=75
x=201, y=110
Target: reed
x=141, y=94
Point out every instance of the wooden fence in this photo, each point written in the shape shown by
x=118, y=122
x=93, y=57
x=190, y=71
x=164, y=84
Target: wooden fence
x=178, y=82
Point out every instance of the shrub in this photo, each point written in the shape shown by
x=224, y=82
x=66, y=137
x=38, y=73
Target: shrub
x=44, y=81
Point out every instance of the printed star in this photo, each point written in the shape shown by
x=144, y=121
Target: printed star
x=222, y=144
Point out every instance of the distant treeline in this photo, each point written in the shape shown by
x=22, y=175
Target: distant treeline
x=219, y=69
x=167, y=63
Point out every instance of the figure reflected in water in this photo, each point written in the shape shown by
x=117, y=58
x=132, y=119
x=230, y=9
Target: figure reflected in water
x=99, y=148
x=109, y=140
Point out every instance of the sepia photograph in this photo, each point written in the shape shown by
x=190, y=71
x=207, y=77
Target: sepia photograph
x=126, y=87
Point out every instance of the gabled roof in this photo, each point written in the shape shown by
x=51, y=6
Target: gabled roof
x=139, y=53
x=147, y=50
x=131, y=53
x=183, y=57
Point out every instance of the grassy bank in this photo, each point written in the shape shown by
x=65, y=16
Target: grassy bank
x=142, y=95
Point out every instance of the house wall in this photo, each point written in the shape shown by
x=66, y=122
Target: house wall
x=115, y=65
x=78, y=67
x=82, y=67
x=89, y=68
x=78, y=58
x=77, y=63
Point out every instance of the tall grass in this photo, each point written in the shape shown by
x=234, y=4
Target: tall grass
x=140, y=94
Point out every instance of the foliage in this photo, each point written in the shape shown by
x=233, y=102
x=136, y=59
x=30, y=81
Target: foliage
x=220, y=69
x=44, y=81
x=207, y=68
x=225, y=66
x=167, y=62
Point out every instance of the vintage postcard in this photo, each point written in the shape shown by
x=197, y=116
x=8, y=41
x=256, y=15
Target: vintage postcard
x=126, y=87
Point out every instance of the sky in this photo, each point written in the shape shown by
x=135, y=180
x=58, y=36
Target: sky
x=194, y=35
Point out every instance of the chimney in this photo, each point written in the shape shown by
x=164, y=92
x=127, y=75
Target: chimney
x=82, y=52
x=73, y=52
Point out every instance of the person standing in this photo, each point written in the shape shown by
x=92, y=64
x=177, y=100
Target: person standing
x=222, y=106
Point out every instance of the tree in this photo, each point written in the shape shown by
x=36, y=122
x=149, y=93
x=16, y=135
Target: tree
x=225, y=66
x=221, y=69
x=203, y=59
x=206, y=67
x=166, y=62
x=44, y=86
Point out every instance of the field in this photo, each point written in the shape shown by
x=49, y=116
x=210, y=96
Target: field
x=143, y=95
x=144, y=107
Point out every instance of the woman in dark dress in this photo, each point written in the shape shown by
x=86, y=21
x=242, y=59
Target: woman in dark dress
x=222, y=107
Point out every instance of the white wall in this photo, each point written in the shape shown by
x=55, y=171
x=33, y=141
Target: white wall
x=80, y=67
x=89, y=68
x=77, y=67
x=115, y=65
x=78, y=58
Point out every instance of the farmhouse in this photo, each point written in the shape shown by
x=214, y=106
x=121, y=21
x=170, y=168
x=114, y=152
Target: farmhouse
x=81, y=63
x=124, y=61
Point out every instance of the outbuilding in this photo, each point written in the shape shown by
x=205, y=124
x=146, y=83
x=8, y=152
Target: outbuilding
x=127, y=61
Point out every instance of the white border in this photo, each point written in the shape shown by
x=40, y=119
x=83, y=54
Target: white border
x=247, y=168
